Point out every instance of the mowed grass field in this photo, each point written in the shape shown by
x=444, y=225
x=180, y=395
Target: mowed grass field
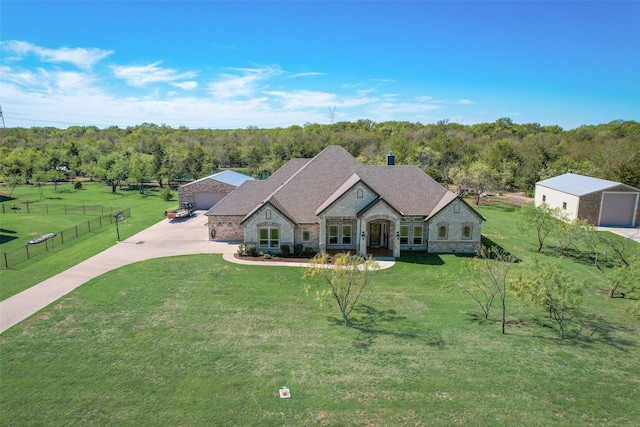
x=18, y=226
x=194, y=340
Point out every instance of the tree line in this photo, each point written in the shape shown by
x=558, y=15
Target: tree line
x=497, y=156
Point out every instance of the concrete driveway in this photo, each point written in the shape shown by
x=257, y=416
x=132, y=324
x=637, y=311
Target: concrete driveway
x=164, y=239
x=630, y=233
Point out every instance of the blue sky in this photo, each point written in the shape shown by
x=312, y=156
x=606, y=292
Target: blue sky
x=212, y=64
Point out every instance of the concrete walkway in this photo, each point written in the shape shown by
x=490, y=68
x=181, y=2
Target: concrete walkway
x=163, y=239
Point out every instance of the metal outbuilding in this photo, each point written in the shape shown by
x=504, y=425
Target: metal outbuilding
x=206, y=192
x=599, y=201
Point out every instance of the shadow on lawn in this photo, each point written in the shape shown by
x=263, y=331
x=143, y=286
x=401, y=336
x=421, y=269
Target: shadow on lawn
x=592, y=329
x=372, y=323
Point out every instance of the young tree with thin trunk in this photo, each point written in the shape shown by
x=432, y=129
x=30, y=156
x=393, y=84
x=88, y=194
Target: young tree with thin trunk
x=544, y=219
x=489, y=275
x=347, y=278
x=546, y=285
x=617, y=258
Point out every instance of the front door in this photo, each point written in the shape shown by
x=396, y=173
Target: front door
x=377, y=232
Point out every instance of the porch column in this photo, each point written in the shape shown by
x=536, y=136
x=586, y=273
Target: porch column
x=323, y=235
x=362, y=241
x=396, y=240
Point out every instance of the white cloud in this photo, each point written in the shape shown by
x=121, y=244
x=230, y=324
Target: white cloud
x=465, y=102
x=83, y=58
x=140, y=75
x=239, y=97
x=308, y=74
x=242, y=84
x=186, y=85
x=304, y=99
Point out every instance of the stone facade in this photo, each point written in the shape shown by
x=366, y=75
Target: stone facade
x=226, y=228
x=267, y=217
x=455, y=218
x=314, y=236
x=589, y=207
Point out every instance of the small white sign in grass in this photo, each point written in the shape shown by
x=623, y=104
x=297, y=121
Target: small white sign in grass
x=284, y=393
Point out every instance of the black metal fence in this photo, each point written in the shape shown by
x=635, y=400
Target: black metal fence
x=45, y=208
x=29, y=251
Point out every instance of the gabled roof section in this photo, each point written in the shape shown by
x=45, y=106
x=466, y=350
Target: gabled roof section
x=348, y=185
x=228, y=177
x=239, y=201
x=407, y=188
x=273, y=202
x=373, y=203
x=314, y=183
x=579, y=185
x=447, y=200
x=251, y=194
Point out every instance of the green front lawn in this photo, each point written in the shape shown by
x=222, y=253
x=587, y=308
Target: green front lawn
x=18, y=226
x=194, y=340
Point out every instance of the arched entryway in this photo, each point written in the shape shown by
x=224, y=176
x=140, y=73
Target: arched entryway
x=378, y=239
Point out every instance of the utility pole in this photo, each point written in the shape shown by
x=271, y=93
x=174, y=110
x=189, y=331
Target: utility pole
x=1, y=116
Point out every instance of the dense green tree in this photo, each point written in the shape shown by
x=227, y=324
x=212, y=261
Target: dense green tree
x=113, y=168
x=520, y=154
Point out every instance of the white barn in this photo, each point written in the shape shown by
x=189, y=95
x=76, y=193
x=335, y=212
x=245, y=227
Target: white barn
x=599, y=201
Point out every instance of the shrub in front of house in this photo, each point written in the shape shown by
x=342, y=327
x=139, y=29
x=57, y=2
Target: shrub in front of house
x=298, y=249
x=285, y=250
x=251, y=250
x=241, y=250
x=309, y=252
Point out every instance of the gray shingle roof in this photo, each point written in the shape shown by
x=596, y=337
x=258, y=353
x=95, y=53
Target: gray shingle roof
x=407, y=188
x=304, y=187
x=578, y=185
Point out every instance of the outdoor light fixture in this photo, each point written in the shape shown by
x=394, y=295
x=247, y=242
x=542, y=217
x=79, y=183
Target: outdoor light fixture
x=397, y=234
x=363, y=234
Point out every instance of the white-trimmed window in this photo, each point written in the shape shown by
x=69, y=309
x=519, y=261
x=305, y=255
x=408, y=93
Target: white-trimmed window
x=404, y=234
x=417, y=234
x=230, y=223
x=219, y=224
x=333, y=234
x=467, y=231
x=269, y=238
x=306, y=235
x=346, y=234
x=443, y=233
